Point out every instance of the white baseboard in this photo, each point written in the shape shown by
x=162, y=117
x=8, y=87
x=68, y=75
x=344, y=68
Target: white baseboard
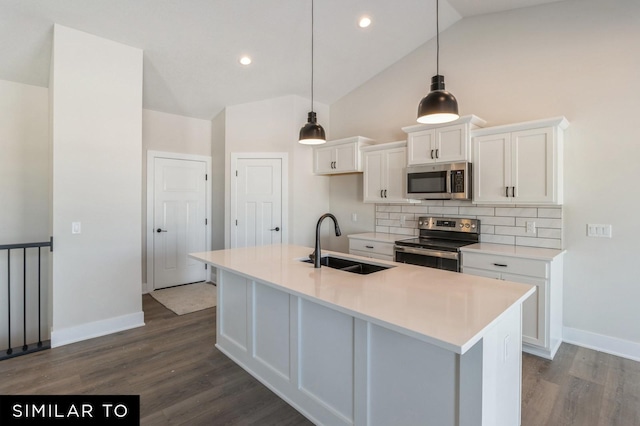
x=599, y=342
x=90, y=330
x=145, y=289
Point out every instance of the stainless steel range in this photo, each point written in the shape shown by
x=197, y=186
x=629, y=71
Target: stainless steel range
x=439, y=243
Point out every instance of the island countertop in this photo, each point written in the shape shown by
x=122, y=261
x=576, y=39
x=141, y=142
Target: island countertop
x=447, y=309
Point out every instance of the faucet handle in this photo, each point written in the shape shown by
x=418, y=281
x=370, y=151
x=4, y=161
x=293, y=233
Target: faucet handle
x=312, y=257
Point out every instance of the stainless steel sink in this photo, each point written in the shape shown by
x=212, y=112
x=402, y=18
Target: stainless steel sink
x=349, y=265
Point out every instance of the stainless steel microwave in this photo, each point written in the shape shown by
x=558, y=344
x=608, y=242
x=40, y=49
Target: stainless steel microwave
x=450, y=181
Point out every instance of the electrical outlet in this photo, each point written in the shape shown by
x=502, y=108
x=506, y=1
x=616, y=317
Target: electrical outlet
x=354, y=217
x=599, y=230
x=76, y=227
x=531, y=227
x=403, y=220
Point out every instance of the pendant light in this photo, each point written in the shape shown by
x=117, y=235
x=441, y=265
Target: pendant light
x=312, y=133
x=439, y=106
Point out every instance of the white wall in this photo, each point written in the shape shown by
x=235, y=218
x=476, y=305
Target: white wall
x=169, y=133
x=272, y=126
x=574, y=58
x=24, y=163
x=218, y=130
x=96, y=94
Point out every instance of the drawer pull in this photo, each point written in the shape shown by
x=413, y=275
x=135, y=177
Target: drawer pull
x=370, y=247
x=502, y=265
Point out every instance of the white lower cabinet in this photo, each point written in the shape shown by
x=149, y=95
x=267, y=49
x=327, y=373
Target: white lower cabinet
x=542, y=312
x=339, y=369
x=371, y=248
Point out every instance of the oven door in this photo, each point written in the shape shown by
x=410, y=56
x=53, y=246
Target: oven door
x=438, y=259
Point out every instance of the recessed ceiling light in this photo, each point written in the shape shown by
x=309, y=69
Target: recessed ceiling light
x=245, y=60
x=364, y=22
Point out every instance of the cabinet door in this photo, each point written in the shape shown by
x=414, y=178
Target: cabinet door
x=532, y=154
x=346, y=158
x=421, y=147
x=396, y=161
x=323, y=159
x=492, y=168
x=451, y=143
x=373, y=177
x=533, y=310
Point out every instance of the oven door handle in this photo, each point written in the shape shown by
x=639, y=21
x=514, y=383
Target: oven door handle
x=428, y=252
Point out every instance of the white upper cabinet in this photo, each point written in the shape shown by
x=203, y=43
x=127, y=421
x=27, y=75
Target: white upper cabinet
x=519, y=163
x=384, y=172
x=444, y=143
x=339, y=156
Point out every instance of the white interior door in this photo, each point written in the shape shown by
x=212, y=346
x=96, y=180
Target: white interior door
x=179, y=221
x=256, y=202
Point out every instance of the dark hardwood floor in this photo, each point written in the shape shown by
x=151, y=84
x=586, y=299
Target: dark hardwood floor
x=182, y=379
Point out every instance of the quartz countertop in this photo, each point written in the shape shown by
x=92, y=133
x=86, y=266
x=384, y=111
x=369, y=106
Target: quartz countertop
x=381, y=237
x=513, y=251
x=447, y=309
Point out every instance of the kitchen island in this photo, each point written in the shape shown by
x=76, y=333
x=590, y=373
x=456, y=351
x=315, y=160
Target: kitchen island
x=406, y=345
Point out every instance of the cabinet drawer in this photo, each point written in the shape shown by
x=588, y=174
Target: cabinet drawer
x=372, y=255
x=503, y=264
x=369, y=246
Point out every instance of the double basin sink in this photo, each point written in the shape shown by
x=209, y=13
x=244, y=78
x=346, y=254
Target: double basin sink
x=349, y=265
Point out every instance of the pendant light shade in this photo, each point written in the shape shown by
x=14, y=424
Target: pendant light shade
x=439, y=106
x=312, y=133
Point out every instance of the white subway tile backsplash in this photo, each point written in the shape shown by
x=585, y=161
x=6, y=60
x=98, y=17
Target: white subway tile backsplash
x=476, y=211
x=443, y=210
x=403, y=231
x=498, y=239
x=487, y=229
x=539, y=242
x=505, y=224
x=540, y=222
x=416, y=209
x=389, y=222
x=388, y=208
x=510, y=230
x=517, y=211
x=494, y=220
x=549, y=212
x=550, y=233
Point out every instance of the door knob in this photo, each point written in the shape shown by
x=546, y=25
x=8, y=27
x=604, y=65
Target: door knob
x=277, y=228
x=161, y=230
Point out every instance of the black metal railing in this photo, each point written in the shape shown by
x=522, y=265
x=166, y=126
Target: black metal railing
x=29, y=319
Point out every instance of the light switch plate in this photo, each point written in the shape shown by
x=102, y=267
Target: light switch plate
x=76, y=227
x=599, y=230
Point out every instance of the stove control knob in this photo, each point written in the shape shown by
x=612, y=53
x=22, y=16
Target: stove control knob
x=473, y=226
x=462, y=225
x=420, y=223
x=466, y=225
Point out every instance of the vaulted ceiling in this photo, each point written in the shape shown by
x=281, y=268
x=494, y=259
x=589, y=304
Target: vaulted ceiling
x=191, y=47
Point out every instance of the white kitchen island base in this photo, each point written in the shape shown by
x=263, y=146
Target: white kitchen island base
x=340, y=368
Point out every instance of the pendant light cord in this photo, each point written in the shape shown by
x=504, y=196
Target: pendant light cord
x=437, y=38
x=311, y=55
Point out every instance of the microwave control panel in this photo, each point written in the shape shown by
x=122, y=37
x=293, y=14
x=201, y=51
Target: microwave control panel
x=457, y=181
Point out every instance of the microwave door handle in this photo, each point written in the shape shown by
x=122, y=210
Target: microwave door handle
x=449, y=183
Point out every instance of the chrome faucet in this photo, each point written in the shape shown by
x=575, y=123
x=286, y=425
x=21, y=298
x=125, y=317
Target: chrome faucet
x=315, y=256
